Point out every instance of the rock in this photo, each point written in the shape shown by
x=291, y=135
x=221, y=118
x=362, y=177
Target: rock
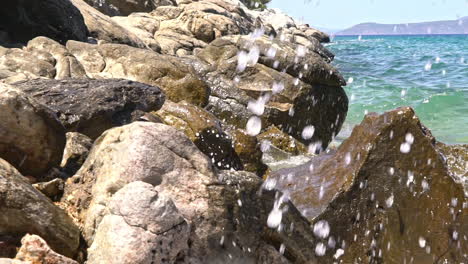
x=277, y=138
x=35, y=250
x=205, y=130
x=177, y=79
x=26, y=210
x=456, y=157
x=143, y=25
x=51, y=189
x=59, y=20
x=372, y=195
x=31, y=137
x=91, y=106
x=75, y=153
x=224, y=211
x=249, y=150
x=126, y=7
x=282, y=90
x=103, y=28
x=140, y=218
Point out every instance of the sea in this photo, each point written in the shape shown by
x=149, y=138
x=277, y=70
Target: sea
x=428, y=73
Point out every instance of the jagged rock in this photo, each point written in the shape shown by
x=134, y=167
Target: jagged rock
x=205, y=130
x=385, y=196
x=24, y=20
x=278, y=139
x=31, y=137
x=249, y=150
x=51, y=189
x=126, y=7
x=26, y=210
x=34, y=250
x=91, y=106
x=456, y=157
x=139, y=218
x=220, y=208
x=75, y=152
x=104, y=28
x=295, y=96
x=177, y=79
x=143, y=25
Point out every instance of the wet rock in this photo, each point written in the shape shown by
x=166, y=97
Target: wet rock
x=26, y=210
x=59, y=20
x=278, y=139
x=249, y=150
x=177, y=79
x=35, y=250
x=456, y=157
x=372, y=196
x=225, y=213
x=31, y=137
x=52, y=189
x=103, y=28
x=205, y=130
x=126, y=7
x=280, y=87
x=139, y=218
x=75, y=152
x=91, y=106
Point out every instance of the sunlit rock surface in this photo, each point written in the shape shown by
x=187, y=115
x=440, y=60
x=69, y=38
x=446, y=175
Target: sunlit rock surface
x=31, y=137
x=386, y=195
x=91, y=106
x=25, y=210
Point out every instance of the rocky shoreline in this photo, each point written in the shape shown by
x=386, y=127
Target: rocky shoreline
x=135, y=132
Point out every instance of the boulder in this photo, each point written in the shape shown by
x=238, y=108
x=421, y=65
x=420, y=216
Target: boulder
x=36, y=251
x=103, y=28
x=75, y=152
x=91, y=106
x=278, y=139
x=456, y=157
x=248, y=148
x=126, y=7
x=205, y=130
x=177, y=79
x=225, y=214
x=56, y=19
x=290, y=87
x=52, y=189
x=26, y=210
x=31, y=137
x=139, y=218
x=386, y=196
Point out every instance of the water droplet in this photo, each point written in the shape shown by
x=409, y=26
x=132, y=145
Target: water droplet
x=405, y=147
x=348, y=158
x=409, y=138
x=308, y=132
x=339, y=252
x=274, y=218
x=320, y=249
x=428, y=66
x=389, y=201
x=282, y=249
x=278, y=87
x=350, y=80
x=422, y=242
x=254, y=126
x=322, y=229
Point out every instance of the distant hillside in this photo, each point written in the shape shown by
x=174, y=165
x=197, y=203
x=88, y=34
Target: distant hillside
x=459, y=26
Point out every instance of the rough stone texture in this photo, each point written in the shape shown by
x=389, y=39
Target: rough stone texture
x=249, y=150
x=278, y=139
x=31, y=137
x=386, y=205
x=214, y=205
x=75, y=152
x=126, y=7
x=312, y=94
x=26, y=210
x=91, y=106
x=52, y=189
x=56, y=19
x=34, y=250
x=205, y=130
x=177, y=79
x=104, y=28
x=141, y=226
x=456, y=157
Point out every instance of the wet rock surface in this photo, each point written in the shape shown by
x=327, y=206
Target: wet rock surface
x=91, y=106
x=375, y=192
x=31, y=136
x=26, y=210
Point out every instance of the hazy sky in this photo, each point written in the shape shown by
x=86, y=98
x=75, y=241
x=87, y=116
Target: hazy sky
x=340, y=14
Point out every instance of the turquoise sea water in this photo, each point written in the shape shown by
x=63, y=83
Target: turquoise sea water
x=428, y=73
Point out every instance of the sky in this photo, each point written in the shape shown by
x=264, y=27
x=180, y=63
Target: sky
x=342, y=14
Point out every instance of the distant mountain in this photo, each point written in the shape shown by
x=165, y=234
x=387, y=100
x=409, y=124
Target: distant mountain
x=459, y=26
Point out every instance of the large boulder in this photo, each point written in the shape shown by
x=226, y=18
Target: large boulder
x=126, y=7
x=287, y=84
x=91, y=106
x=26, y=210
x=56, y=19
x=386, y=195
x=178, y=79
x=31, y=137
x=226, y=215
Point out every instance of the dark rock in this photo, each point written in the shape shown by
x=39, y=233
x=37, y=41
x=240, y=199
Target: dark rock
x=57, y=19
x=52, y=189
x=75, y=153
x=91, y=106
x=26, y=210
x=31, y=137
x=386, y=195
